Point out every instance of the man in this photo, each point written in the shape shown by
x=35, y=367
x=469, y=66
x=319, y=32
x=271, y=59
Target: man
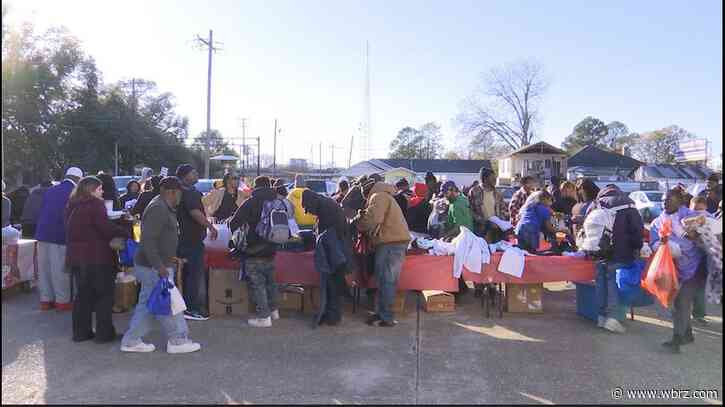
x=383, y=222
x=333, y=253
x=528, y=185
x=54, y=283
x=258, y=264
x=221, y=203
x=193, y=225
x=155, y=260
x=485, y=203
x=459, y=212
x=402, y=195
x=713, y=193
x=628, y=238
x=690, y=266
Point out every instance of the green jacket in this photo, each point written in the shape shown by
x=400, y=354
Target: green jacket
x=459, y=214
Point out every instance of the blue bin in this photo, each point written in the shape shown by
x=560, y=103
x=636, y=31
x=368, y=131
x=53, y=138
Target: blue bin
x=586, y=301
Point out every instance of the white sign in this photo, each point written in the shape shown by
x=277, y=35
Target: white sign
x=693, y=150
x=164, y=171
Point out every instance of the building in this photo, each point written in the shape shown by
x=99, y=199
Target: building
x=298, y=164
x=601, y=165
x=540, y=160
x=669, y=175
x=462, y=172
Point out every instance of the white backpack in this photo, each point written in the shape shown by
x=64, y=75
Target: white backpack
x=596, y=237
x=274, y=223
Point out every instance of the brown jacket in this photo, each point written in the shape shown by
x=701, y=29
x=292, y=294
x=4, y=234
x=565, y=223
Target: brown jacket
x=382, y=218
x=213, y=200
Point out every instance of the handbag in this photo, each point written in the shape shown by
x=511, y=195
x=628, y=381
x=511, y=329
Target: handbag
x=159, y=302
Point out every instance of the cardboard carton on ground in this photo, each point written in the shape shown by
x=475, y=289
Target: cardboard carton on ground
x=228, y=296
x=290, y=298
x=525, y=298
x=125, y=296
x=438, y=301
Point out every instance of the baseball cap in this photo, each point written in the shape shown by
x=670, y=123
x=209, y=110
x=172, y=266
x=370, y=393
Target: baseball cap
x=74, y=172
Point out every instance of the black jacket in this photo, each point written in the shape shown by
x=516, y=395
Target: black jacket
x=628, y=225
x=417, y=217
x=249, y=214
x=329, y=213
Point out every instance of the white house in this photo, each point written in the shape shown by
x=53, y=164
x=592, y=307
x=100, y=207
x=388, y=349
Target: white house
x=540, y=160
x=462, y=172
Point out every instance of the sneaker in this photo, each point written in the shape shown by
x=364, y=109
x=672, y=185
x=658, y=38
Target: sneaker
x=61, y=307
x=601, y=321
x=373, y=319
x=186, y=347
x=260, y=322
x=388, y=324
x=139, y=348
x=274, y=315
x=612, y=325
x=701, y=321
x=195, y=316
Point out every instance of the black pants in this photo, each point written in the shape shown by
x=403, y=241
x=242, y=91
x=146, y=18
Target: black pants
x=334, y=287
x=95, y=294
x=29, y=230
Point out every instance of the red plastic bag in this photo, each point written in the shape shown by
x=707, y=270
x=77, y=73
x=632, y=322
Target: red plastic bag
x=661, y=278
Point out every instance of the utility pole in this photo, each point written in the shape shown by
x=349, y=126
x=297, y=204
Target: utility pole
x=320, y=157
x=210, y=46
x=274, y=150
x=349, y=158
x=243, y=151
x=259, y=154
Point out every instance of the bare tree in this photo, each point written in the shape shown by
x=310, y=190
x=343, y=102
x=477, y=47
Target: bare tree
x=506, y=105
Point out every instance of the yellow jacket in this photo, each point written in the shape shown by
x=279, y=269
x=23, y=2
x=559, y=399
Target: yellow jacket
x=302, y=218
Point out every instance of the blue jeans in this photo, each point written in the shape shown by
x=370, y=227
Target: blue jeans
x=606, y=288
x=388, y=264
x=174, y=325
x=194, y=276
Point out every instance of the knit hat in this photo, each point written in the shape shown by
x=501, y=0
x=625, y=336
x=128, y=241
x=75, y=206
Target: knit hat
x=183, y=170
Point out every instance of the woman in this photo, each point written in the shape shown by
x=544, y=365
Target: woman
x=221, y=203
x=146, y=196
x=343, y=187
x=419, y=209
x=567, y=198
x=90, y=259
x=587, y=192
x=133, y=189
x=535, y=217
x=110, y=194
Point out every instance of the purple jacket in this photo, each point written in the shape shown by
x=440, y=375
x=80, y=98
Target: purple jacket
x=628, y=228
x=688, y=265
x=51, y=227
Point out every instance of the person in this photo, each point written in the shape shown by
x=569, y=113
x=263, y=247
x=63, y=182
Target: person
x=335, y=241
x=154, y=260
x=7, y=208
x=486, y=202
x=193, y=225
x=699, y=205
x=628, y=236
x=713, y=193
x=383, y=222
x=133, y=190
x=402, y=194
x=534, y=218
x=434, y=187
x=18, y=199
x=587, y=192
x=419, y=209
x=53, y=282
x=258, y=263
x=567, y=198
x=528, y=185
x=91, y=260
x=459, y=212
x=690, y=266
x=31, y=211
x=147, y=195
x=221, y=203
x=343, y=187
x=110, y=194
x=354, y=200
x=304, y=220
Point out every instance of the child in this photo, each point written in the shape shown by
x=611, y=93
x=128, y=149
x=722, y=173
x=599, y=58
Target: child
x=699, y=205
x=535, y=217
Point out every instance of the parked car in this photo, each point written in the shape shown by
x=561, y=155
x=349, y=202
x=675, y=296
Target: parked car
x=507, y=192
x=322, y=187
x=649, y=203
x=206, y=185
x=121, y=182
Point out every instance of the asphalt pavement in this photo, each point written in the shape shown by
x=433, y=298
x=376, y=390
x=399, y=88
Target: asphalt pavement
x=461, y=357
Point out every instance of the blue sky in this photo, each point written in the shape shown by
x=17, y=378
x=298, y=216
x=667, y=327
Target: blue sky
x=648, y=64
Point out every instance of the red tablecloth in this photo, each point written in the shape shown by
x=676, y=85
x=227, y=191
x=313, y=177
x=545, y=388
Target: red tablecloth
x=537, y=269
x=420, y=272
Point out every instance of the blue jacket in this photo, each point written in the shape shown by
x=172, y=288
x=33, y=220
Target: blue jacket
x=330, y=255
x=51, y=228
x=688, y=264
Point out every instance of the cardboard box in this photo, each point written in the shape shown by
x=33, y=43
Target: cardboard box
x=228, y=296
x=125, y=296
x=526, y=298
x=438, y=301
x=291, y=298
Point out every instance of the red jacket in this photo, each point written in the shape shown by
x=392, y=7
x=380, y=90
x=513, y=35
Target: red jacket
x=88, y=234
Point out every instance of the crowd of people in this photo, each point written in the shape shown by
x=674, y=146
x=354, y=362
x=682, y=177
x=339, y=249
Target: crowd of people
x=365, y=226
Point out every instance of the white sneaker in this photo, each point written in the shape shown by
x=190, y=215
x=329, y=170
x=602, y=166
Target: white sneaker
x=140, y=348
x=274, y=315
x=260, y=322
x=601, y=321
x=612, y=325
x=186, y=347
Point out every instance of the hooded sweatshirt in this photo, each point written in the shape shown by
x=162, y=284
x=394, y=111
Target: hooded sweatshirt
x=249, y=214
x=419, y=210
x=382, y=219
x=628, y=225
x=329, y=213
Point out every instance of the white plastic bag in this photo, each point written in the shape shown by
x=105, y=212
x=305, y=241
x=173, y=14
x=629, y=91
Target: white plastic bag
x=177, y=301
x=224, y=235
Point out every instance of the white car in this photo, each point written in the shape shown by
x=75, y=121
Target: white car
x=649, y=203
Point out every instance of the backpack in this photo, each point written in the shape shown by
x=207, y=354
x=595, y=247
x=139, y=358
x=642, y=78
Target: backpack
x=273, y=225
x=596, y=237
x=238, y=243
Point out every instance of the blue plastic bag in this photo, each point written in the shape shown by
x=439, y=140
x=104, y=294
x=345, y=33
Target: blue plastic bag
x=159, y=302
x=629, y=288
x=127, y=254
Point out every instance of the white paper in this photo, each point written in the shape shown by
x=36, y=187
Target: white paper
x=504, y=225
x=130, y=204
